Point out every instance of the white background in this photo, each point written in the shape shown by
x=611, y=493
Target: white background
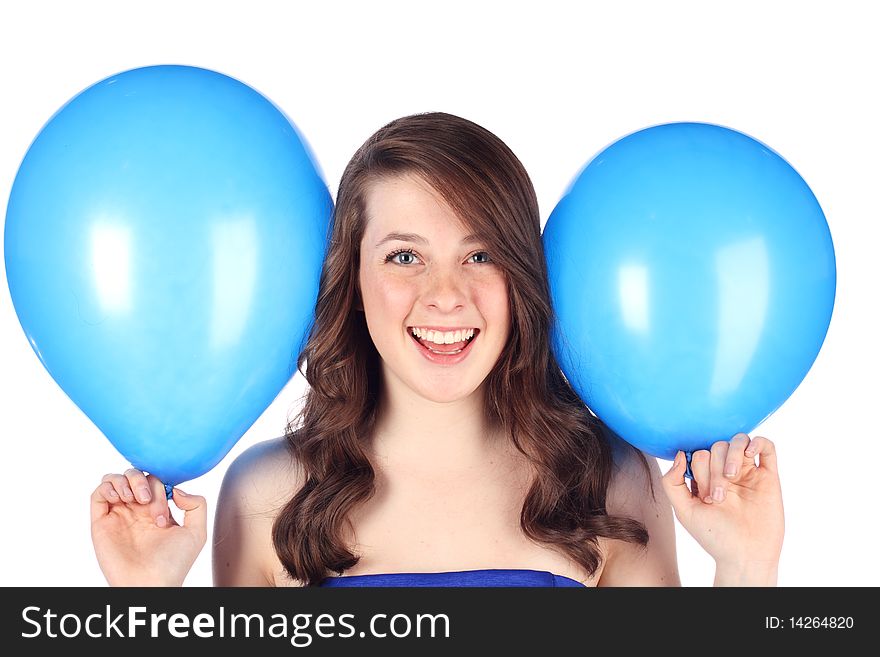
x=557, y=82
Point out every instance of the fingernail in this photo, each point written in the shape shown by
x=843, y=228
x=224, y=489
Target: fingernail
x=127, y=494
x=143, y=494
x=730, y=470
x=180, y=492
x=718, y=494
x=161, y=521
x=113, y=494
x=707, y=499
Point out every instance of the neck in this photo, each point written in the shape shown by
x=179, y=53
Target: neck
x=432, y=436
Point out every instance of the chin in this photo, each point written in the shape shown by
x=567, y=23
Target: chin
x=445, y=396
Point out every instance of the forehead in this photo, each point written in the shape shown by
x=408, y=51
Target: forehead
x=408, y=204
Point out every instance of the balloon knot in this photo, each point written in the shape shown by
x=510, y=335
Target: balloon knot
x=688, y=473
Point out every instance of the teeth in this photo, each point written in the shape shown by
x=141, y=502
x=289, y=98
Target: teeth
x=445, y=353
x=443, y=337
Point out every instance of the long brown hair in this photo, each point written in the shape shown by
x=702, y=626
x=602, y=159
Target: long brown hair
x=488, y=188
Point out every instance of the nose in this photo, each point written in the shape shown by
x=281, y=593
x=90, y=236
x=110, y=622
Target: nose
x=445, y=291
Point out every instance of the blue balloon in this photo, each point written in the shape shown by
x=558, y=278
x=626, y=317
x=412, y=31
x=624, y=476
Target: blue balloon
x=163, y=246
x=693, y=277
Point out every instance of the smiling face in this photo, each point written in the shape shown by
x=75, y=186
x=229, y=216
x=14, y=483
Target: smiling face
x=426, y=285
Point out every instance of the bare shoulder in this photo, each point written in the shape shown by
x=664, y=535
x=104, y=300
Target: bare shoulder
x=632, y=484
x=256, y=486
x=636, y=492
x=265, y=476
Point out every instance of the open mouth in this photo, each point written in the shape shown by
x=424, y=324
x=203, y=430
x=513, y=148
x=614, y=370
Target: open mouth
x=444, y=349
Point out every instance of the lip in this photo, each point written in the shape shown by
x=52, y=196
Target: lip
x=443, y=359
x=442, y=328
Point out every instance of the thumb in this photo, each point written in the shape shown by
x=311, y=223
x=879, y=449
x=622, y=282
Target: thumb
x=195, y=510
x=675, y=487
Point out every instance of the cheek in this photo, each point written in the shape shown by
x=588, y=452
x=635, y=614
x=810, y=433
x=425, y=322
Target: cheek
x=386, y=296
x=492, y=299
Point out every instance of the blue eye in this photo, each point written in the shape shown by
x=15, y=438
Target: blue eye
x=408, y=257
x=401, y=252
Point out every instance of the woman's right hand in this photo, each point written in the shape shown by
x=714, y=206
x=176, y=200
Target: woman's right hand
x=137, y=540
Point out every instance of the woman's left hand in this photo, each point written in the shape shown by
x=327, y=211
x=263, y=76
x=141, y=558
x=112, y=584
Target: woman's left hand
x=734, y=507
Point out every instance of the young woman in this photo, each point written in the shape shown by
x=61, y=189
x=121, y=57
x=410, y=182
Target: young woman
x=439, y=443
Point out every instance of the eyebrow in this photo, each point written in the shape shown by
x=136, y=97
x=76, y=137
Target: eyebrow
x=413, y=237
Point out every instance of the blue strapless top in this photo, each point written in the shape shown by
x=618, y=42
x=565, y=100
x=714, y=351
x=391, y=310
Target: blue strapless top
x=487, y=577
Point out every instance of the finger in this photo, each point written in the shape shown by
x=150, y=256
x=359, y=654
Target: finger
x=98, y=504
x=158, y=506
x=139, y=484
x=717, y=482
x=765, y=450
x=675, y=486
x=106, y=489
x=735, y=455
x=700, y=470
x=195, y=511
x=120, y=485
